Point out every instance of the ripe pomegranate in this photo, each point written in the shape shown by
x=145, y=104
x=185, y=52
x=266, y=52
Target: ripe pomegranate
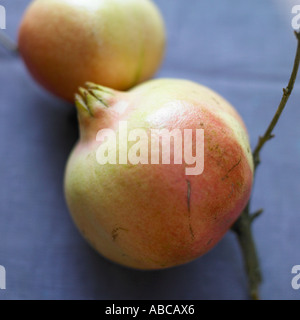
x=116, y=43
x=156, y=215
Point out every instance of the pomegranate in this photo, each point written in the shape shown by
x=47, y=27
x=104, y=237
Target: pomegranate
x=116, y=43
x=159, y=174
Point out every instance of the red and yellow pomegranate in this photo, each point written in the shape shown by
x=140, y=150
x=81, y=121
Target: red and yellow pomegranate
x=152, y=216
x=116, y=43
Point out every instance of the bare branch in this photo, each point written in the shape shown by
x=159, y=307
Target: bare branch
x=243, y=225
x=8, y=43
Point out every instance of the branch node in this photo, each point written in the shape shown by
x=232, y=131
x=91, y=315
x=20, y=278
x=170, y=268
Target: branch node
x=297, y=34
x=271, y=136
x=256, y=214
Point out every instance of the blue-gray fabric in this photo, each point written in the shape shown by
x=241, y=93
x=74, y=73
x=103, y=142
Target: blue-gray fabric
x=242, y=49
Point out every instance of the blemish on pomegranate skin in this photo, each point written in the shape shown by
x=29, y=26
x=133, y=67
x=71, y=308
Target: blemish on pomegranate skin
x=115, y=233
x=209, y=241
x=232, y=190
x=191, y=231
x=227, y=174
x=189, y=207
x=215, y=100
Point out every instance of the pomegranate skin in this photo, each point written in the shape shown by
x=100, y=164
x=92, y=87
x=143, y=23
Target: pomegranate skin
x=116, y=43
x=154, y=216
